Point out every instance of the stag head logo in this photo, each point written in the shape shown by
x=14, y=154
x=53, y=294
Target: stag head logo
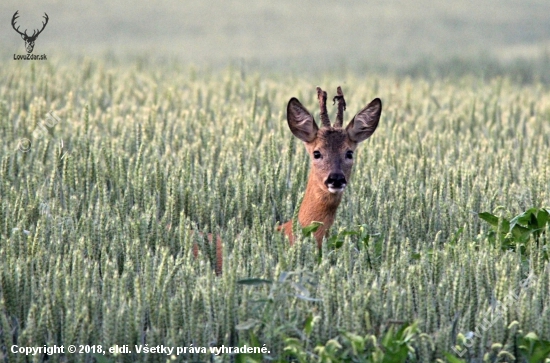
x=29, y=39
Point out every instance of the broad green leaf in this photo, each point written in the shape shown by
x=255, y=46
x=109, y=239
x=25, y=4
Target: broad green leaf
x=254, y=281
x=312, y=228
x=489, y=218
x=520, y=232
x=452, y=359
x=542, y=218
x=526, y=219
x=335, y=242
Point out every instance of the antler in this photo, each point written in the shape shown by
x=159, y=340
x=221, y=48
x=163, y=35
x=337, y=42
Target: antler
x=43, y=26
x=34, y=34
x=15, y=16
x=322, y=96
x=341, y=107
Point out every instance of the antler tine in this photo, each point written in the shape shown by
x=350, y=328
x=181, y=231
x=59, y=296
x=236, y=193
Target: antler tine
x=43, y=23
x=322, y=96
x=13, y=19
x=341, y=107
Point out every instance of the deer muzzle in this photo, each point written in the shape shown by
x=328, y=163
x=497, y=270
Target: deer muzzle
x=336, y=183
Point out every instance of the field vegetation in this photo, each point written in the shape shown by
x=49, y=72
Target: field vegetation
x=99, y=197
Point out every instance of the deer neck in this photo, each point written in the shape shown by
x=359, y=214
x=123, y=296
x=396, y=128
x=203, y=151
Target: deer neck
x=318, y=205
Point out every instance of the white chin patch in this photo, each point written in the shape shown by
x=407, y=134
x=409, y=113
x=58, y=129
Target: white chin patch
x=336, y=190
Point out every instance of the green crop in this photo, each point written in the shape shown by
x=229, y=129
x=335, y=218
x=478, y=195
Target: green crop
x=97, y=209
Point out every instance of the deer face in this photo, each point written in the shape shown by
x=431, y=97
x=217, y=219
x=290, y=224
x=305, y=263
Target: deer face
x=331, y=148
x=331, y=154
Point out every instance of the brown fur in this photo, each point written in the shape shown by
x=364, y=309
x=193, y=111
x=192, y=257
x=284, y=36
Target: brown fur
x=219, y=249
x=334, y=144
x=320, y=205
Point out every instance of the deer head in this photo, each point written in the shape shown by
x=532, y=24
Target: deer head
x=331, y=148
x=29, y=40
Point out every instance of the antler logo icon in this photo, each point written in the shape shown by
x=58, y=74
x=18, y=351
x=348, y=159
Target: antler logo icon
x=29, y=40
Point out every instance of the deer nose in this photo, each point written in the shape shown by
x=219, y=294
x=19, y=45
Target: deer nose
x=336, y=182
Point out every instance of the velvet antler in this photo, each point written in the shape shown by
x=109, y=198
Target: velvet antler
x=322, y=95
x=341, y=107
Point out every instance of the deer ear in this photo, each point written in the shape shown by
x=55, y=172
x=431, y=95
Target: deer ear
x=300, y=121
x=363, y=125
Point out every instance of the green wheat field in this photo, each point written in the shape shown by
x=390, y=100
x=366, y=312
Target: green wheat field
x=99, y=198
x=153, y=124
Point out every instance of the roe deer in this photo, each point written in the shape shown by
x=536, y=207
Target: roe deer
x=219, y=251
x=210, y=238
x=331, y=150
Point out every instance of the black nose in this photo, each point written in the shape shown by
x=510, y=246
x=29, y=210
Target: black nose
x=335, y=180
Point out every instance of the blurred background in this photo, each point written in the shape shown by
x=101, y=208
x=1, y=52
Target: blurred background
x=392, y=35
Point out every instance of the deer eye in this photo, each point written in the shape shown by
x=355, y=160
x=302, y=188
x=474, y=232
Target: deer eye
x=316, y=155
x=349, y=154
